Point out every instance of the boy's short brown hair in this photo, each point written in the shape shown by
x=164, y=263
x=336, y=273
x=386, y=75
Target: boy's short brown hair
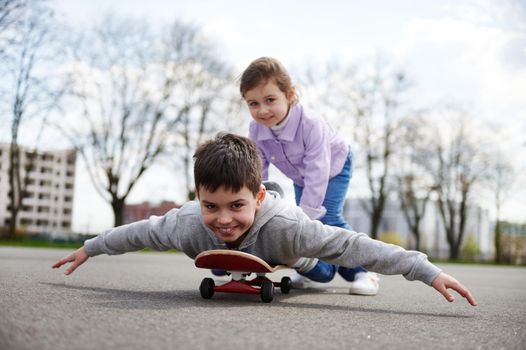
x=227, y=160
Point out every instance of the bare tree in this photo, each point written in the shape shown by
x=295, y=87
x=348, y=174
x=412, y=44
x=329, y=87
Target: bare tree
x=458, y=163
x=28, y=89
x=11, y=15
x=130, y=88
x=376, y=102
x=206, y=88
x=501, y=180
x=415, y=186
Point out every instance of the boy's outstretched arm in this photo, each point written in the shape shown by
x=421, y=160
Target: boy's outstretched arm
x=77, y=258
x=444, y=281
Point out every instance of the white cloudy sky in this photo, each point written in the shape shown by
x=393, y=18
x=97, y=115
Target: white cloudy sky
x=471, y=52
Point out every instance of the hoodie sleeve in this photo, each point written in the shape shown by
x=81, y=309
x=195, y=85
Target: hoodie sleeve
x=351, y=249
x=154, y=233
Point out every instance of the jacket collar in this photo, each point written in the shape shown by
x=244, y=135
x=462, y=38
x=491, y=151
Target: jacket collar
x=269, y=208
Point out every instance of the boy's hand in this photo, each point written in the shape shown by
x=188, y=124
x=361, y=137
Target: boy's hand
x=444, y=281
x=78, y=257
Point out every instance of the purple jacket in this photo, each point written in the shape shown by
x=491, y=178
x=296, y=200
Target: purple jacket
x=307, y=151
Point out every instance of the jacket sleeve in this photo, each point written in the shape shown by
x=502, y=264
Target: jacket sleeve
x=264, y=165
x=351, y=249
x=154, y=233
x=252, y=134
x=317, y=161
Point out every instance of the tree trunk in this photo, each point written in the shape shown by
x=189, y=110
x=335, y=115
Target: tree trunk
x=498, y=247
x=117, y=205
x=454, y=250
x=14, y=158
x=375, y=224
x=417, y=239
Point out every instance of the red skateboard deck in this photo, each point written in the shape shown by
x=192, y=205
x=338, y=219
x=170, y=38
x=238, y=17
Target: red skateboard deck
x=240, y=265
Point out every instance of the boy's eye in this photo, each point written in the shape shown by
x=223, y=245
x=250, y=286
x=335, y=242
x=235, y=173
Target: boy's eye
x=237, y=205
x=271, y=99
x=210, y=206
x=252, y=104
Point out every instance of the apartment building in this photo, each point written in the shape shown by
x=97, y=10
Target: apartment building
x=48, y=204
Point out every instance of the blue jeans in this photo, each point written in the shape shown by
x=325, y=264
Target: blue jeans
x=333, y=202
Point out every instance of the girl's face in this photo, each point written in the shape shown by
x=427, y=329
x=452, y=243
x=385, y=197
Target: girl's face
x=267, y=104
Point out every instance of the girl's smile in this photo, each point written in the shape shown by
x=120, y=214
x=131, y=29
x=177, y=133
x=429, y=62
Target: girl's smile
x=268, y=105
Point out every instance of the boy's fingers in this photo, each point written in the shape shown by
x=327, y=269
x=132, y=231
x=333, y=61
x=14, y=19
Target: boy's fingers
x=465, y=293
x=63, y=261
x=449, y=297
x=71, y=268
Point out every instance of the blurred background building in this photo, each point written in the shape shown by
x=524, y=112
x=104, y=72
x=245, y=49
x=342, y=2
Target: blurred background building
x=136, y=212
x=478, y=240
x=47, y=204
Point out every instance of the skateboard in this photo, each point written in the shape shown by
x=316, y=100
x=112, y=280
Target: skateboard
x=239, y=266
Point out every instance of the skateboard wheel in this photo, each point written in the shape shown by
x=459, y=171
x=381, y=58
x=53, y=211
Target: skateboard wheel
x=207, y=288
x=267, y=291
x=285, y=285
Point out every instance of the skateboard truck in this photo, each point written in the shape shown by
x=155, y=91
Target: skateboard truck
x=240, y=265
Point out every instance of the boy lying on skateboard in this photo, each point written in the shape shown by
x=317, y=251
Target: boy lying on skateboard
x=234, y=211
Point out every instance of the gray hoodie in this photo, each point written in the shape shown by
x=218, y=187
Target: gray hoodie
x=281, y=234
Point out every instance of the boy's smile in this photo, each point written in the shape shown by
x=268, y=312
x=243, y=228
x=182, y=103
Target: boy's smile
x=268, y=105
x=230, y=214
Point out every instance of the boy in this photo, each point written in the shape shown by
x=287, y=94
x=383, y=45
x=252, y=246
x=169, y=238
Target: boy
x=233, y=211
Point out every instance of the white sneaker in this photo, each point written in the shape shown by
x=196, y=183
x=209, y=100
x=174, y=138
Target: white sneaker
x=299, y=281
x=365, y=283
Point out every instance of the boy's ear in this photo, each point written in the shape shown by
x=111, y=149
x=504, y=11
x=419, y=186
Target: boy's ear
x=260, y=196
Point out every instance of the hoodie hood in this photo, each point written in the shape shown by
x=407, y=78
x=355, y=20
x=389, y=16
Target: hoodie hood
x=270, y=207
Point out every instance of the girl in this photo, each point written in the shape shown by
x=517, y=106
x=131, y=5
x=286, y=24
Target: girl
x=306, y=149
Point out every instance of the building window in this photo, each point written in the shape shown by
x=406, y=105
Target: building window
x=26, y=221
x=43, y=209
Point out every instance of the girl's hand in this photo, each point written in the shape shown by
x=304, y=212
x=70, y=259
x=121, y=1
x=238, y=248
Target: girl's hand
x=444, y=281
x=77, y=258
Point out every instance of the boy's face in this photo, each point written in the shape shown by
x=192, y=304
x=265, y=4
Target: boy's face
x=230, y=214
x=267, y=104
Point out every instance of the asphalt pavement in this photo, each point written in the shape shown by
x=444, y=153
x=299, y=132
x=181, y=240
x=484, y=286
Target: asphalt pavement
x=150, y=300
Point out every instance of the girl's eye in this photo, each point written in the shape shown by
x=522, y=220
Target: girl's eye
x=271, y=99
x=210, y=206
x=252, y=104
